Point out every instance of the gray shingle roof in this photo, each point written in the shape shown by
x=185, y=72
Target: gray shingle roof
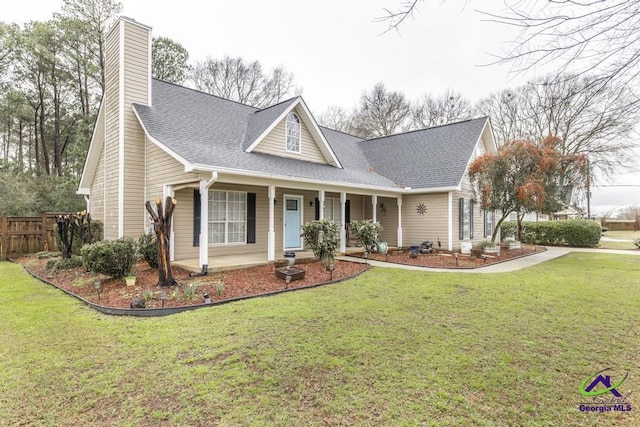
x=208, y=130
x=262, y=119
x=429, y=158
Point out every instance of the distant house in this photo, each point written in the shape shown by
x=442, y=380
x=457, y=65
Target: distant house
x=246, y=179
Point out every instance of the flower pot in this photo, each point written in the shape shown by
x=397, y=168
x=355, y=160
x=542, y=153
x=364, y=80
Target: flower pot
x=290, y=257
x=130, y=280
x=414, y=251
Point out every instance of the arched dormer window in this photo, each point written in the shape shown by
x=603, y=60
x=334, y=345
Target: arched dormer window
x=293, y=133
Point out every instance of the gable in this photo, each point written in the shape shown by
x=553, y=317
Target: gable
x=95, y=150
x=275, y=141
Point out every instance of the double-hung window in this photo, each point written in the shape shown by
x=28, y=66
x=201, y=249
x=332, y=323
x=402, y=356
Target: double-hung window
x=489, y=223
x=333, y=209
x=465, y=212
x=227, y=217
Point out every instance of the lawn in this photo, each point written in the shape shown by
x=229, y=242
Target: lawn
x=626, y=235
x=391, y=347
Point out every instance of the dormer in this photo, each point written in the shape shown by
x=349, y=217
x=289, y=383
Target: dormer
x=289, y=130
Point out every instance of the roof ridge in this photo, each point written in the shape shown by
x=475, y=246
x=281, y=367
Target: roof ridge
x=275, y=105
x=342, y=132
x=425, y=129
x=206, y=93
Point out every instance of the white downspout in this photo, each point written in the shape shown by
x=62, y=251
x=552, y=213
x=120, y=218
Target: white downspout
x=399, y=241
x=271, y=235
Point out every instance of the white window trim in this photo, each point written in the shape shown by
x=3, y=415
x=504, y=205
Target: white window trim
x=226, y=222
x=286, y=133
x=334, y=202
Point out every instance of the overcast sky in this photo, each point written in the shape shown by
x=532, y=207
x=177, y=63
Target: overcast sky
x=336, y=49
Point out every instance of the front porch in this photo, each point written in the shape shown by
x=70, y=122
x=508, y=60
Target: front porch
x=237, y=262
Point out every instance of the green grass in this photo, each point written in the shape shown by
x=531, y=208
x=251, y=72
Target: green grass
x=626, y=235
x=391, y=347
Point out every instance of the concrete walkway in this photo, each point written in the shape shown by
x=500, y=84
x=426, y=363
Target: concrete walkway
x=500, y=267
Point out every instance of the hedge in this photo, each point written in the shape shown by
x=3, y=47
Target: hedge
x=570, y=232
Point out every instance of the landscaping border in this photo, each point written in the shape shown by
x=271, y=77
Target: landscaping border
x=427, y=267
x=157, y=312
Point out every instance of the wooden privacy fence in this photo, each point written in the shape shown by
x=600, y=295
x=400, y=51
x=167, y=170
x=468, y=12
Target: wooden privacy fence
x=27, y=235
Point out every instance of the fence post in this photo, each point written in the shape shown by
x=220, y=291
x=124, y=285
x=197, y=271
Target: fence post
x=3, y=238
x=44, y=245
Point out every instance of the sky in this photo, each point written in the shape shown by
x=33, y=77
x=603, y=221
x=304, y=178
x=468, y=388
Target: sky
x=336, y=49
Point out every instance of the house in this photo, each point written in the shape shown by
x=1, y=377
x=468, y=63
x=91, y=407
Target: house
x=246, y=179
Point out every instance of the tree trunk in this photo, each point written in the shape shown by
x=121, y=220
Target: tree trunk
x=162, y=226
x=495, y=230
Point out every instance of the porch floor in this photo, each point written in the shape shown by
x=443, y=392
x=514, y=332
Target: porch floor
x=235, y=262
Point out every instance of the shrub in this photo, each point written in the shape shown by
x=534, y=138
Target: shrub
x=115, y=258
x=571, y=232
x=368, y=232
x=148, y=249
x=56, y=265
x=508, y=229
x=323, y=237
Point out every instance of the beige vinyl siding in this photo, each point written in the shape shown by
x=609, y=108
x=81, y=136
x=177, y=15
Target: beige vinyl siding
x=111, y=159
x=356, y=203
x=275, y=143
x=136, y=89
x=163, y=169
x=96, y=192
x=183, y=224
x=388, y=220
x=478, y=215
x=434, y=224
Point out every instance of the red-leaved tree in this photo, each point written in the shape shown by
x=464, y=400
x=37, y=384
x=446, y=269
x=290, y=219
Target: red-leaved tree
x=524, y=176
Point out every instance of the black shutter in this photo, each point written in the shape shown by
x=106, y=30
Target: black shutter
x=471, y=219
x=317, y=205
x=251, y=217
x=196, y=218
x=347, y=212
x=461, y=218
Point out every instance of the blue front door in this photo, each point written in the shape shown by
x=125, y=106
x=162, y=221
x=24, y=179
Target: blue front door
x=292, y=222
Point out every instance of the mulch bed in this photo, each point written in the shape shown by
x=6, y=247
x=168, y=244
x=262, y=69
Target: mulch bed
x=445, y=259
x=247, y=282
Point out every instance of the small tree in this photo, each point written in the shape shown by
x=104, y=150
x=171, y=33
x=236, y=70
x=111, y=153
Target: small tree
x=522, y=177
x=162, y=227
x=323, y=237
x=71, y=225
x=368, y=232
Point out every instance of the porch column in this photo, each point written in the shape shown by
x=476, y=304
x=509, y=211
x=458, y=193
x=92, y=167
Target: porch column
x=343, y=234
x=374, y=203
x=400, y=220
x=450, y=224
x=168, y=191
x=204, y=218
x=321, y=194
x=271, y=235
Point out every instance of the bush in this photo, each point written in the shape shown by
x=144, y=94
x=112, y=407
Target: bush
x=367, y=231
x=508, y=229
x=56, y=265
x=571, y=232
x=323, y=237
x=115, y=258
x=148, y=249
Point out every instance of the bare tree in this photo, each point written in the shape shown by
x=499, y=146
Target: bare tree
x=243, y=81
x=439, y=110
x=336, y=118
x=381, y=113
x=585, y=37
x=591, y=120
